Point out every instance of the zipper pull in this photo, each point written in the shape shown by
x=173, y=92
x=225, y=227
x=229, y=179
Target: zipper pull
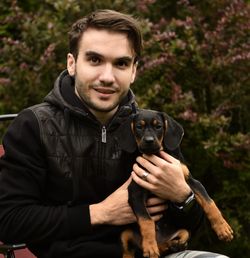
x=104, y=134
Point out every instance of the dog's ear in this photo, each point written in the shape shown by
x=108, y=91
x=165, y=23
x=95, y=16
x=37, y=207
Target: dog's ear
x=125, y=137
x=173, y=133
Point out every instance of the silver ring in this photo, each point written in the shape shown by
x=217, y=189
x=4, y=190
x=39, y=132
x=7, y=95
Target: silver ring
x=145, y=175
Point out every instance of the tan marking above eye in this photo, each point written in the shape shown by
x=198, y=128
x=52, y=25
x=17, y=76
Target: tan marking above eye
x=155, y=122
x=142, y=122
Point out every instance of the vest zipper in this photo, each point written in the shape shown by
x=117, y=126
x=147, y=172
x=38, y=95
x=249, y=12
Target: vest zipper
x=104, y=134
x=101, y=166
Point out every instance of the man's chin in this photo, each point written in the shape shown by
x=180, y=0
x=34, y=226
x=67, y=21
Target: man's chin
x=104, y=109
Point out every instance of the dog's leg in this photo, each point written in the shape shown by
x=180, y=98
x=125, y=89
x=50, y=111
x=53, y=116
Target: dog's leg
x=127, y=237
x=218, y=223
x=137, y=199
x=177, y=242
x=148, y=234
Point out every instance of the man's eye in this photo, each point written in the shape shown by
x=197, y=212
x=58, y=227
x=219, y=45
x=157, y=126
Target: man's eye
x=94, y=60
x=122, y=64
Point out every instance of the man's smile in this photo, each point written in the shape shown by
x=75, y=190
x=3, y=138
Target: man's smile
x=104, y=90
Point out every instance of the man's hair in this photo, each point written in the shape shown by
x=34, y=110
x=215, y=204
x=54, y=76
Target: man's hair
x=107, y=20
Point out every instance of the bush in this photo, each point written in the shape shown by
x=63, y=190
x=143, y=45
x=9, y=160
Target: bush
x=195, y=67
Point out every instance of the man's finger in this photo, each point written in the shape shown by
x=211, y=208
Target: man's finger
x=155, y=201
x=168, y=157
x=126, y=184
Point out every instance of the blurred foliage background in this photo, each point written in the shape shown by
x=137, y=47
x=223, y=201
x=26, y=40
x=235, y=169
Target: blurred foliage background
x=195, y=67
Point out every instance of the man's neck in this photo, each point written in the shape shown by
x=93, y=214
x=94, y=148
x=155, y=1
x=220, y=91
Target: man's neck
x=103, y=117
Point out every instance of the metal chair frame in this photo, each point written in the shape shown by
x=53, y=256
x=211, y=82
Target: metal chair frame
x=8, y=249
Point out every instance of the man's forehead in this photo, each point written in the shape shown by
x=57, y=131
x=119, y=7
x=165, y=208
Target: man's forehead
x=106, y=42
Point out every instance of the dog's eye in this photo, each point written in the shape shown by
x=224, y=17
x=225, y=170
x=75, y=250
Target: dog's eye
x=158, y=127
x=138, y=127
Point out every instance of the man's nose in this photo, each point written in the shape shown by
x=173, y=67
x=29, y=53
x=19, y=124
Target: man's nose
x=107, y=75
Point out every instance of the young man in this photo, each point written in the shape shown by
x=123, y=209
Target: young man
x=64, y=175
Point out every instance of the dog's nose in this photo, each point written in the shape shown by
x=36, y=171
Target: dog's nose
x=149, y=139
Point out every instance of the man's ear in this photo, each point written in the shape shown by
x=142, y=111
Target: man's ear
x=173, y=132
x=134, y=69
x=71, y=64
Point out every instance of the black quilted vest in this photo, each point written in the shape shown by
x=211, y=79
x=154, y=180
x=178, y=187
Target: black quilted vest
x=84, y=158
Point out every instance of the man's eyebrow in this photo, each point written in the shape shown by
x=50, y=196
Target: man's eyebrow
x=92, y=53
x=128, y=59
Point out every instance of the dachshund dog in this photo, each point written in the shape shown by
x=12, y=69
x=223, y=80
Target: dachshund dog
x=154, y=131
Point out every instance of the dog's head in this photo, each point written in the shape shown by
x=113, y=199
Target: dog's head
x=150, y=131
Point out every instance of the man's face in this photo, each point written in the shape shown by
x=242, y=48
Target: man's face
x=103, y=71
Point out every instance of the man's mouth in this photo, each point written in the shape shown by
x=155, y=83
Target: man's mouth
x=104, y=90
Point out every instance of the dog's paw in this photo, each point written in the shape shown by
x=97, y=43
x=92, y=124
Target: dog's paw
x=224, y=231
x=178, y=242
x=176, y=246
x=172, y=246
x=150, y=249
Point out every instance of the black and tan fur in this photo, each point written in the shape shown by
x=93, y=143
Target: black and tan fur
x=155, y=131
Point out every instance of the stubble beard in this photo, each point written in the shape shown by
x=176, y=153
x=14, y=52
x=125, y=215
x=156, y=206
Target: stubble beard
x=95, y=106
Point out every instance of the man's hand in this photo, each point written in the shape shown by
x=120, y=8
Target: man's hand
x=115, y=210
x=166, y=179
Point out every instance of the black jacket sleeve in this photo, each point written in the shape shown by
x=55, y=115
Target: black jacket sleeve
x=24, y=217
